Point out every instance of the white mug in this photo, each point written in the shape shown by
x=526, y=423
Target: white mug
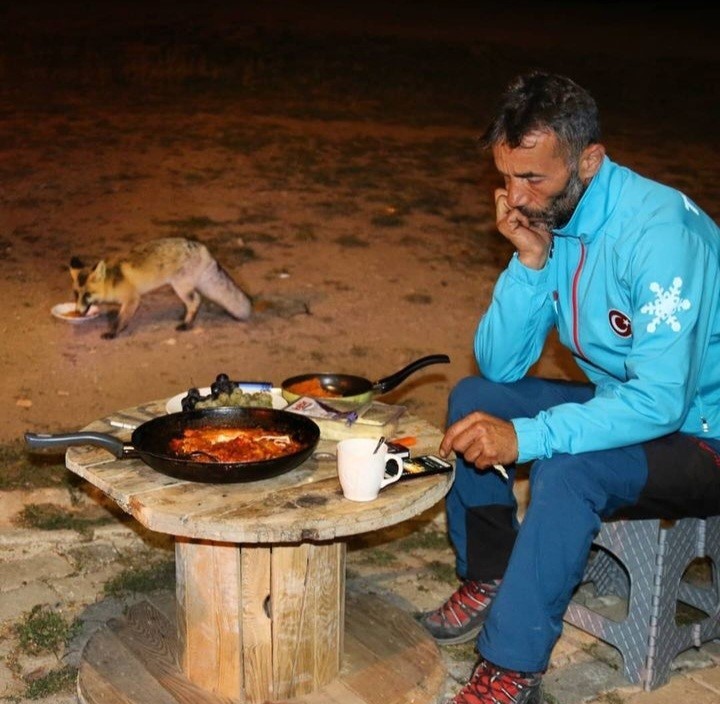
x=361, y=469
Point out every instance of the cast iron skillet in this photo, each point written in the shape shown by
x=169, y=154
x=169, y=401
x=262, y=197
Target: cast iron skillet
x=150, y=442
x=357, y=390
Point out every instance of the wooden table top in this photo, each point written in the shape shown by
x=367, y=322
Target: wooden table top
x=305, y=504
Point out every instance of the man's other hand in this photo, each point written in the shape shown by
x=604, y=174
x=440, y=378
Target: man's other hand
x=482, y=439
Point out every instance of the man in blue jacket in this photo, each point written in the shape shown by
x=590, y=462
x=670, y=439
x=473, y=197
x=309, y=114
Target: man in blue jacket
x=628, y=272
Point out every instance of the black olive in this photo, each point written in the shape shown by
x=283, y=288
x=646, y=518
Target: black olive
x=217, y=385
x=221, y=385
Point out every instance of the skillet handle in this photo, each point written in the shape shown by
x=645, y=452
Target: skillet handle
x=390, y=382
x=45, y=442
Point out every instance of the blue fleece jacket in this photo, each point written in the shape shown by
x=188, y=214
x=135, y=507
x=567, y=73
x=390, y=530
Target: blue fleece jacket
x=633, y=288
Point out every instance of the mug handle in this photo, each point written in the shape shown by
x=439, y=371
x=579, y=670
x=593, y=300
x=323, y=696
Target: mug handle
x=390, y=478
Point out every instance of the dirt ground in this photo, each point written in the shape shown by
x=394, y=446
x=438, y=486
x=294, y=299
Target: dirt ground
x=367, y=242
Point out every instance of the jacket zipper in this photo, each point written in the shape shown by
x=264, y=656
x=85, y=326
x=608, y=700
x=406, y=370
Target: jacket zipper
x=704, y=425
x=575, y=307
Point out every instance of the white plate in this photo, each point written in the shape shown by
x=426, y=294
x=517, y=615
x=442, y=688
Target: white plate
x=174, y=405
x=66, y=312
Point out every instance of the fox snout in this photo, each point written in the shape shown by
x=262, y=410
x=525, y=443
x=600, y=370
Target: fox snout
x=83, y=303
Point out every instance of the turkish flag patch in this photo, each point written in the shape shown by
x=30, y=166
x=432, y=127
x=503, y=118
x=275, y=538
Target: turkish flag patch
x=620, y=323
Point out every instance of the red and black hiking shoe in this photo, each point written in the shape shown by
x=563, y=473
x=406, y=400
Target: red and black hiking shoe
x=493, y=685
x=461, y=617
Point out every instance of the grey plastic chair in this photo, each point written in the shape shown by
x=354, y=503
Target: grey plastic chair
x=643, y=562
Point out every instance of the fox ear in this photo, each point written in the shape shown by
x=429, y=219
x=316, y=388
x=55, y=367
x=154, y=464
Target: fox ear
x=100, y=270
x=76, y=267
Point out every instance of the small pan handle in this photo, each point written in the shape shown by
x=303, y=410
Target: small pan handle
x=45, y=442
x=390, y=382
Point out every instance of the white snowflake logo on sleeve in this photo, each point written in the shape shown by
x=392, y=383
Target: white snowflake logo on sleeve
x=665, y=306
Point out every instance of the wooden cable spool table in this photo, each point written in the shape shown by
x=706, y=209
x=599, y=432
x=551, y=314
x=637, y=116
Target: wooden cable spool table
x=260, y=612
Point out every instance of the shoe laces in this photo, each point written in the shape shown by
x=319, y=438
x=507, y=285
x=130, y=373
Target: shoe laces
x=467, y=600
x=493, y=685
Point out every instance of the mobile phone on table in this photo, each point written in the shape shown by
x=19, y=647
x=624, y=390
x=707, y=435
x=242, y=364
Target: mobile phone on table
x=397, y=450
x=424, y=465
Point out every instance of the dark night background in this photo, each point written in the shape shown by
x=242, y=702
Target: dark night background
x=425, y=60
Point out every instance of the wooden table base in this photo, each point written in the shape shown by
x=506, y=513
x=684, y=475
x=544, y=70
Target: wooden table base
x=388, y=659
x=257, y=623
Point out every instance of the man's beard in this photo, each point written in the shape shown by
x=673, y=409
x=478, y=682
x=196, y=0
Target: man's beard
x=558, y=213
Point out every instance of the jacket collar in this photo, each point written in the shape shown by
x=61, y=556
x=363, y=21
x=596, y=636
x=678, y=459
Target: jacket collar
x=596, y=204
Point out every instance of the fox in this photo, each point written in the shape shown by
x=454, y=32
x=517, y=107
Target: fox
x=185, y=264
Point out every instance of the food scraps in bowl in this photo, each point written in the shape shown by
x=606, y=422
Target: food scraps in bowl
x=67, y=312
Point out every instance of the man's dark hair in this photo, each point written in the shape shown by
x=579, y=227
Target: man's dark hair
x=544, y=102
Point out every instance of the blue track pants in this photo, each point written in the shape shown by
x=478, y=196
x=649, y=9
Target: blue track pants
x=548, y=551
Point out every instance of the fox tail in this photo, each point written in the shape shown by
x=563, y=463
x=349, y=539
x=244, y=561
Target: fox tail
x=218, y=286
